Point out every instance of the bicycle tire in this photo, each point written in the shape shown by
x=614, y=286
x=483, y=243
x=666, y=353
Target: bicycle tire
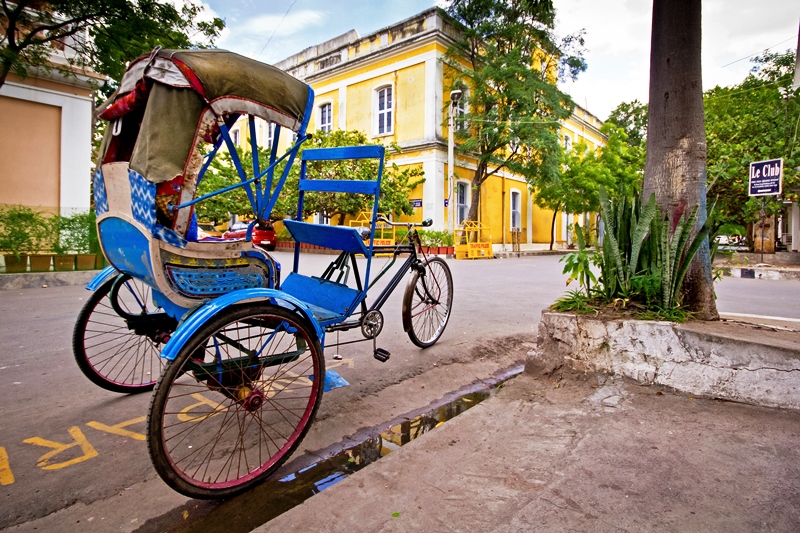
x=221, y=422
x=426, y=312
x=110, y=354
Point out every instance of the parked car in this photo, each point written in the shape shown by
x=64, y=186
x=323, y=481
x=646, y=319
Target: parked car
x=263, y=233
x=732, y=243
x=208, y=229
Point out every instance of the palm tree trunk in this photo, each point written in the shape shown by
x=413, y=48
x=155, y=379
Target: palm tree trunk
x=676, y=143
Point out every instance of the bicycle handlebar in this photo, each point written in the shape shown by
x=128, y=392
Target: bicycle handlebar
x=424, y=224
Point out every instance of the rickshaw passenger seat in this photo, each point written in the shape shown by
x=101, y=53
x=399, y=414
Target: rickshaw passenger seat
x=136, y=244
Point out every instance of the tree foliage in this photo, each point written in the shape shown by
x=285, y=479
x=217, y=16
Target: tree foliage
x=631, y=117
x=118, y=31
x=221, y=174
x=396, y=184
x=583, y=172
x=755, y=120
x=508, y=59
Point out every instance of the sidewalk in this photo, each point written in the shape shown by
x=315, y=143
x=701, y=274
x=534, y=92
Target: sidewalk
x=577, y=453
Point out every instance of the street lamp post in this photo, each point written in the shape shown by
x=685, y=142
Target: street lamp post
x=455, y=96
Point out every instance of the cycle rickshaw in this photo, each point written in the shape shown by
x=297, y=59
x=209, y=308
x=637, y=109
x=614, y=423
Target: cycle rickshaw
x=242, y=349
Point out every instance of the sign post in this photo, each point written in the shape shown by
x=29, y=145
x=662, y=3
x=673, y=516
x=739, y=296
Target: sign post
x=766, y=179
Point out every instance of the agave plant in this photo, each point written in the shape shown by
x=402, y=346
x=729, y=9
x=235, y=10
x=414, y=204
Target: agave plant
x=674, y=251
x=645, y=253
x=627, y=227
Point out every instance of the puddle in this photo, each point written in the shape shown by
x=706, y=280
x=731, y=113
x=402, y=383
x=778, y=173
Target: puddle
x=276, y=496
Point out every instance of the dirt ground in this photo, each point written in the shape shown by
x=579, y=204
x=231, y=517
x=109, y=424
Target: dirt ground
x=576, y=452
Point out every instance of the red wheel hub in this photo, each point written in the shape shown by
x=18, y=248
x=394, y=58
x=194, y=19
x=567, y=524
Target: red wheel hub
x=253, y=401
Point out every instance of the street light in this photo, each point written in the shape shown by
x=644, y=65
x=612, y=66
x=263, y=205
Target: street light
x=455, y=96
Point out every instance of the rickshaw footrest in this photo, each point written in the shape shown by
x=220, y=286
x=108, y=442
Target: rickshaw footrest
x=381, y=355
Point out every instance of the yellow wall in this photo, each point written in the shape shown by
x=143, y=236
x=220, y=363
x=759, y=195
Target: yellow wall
x=331, y=97
x=382, y=59
x=410, y=103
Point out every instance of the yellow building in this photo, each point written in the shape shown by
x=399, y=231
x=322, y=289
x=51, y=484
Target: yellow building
x=393, y=86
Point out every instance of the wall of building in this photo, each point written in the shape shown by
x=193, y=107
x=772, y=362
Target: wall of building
x=46, y=144
x=408, y=57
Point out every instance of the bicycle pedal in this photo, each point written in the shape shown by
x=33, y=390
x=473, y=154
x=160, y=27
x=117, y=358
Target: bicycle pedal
x=381, y=355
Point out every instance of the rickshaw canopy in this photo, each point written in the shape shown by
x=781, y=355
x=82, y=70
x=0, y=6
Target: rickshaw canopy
x=187, y=92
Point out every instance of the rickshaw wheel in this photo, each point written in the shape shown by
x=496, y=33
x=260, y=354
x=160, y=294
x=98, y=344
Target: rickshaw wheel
x=427, y=303
x=107, y=351
x=236, y=401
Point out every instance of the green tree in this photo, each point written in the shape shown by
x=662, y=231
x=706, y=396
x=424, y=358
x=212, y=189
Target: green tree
x=631, y=117
x=623, y=160
x=221, y=174
x=396, y=184
x=618, y=168
x=577, y=189
x=755, y=120
x=508, y=59
x=118, y=30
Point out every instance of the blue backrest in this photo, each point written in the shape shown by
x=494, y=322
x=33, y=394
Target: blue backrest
x=344, y=186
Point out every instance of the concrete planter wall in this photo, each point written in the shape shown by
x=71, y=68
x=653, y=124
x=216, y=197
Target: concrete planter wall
x=721, y=360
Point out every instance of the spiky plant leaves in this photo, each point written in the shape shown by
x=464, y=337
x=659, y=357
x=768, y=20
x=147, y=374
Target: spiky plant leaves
x=640, y=233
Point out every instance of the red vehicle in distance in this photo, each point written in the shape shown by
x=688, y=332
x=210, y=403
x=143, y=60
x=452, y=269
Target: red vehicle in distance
x=263, y=233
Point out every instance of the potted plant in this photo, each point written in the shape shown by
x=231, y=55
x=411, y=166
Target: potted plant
x=61, y=229
x=42, y=260
x=76, y=243
x=447, y=241
x=85, y=240
x=22, y=231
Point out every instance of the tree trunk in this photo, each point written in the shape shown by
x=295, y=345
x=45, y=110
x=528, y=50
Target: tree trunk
x=676, y=143
x=475, y=200
x=553, y=229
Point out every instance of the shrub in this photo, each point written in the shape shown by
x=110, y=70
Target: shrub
x=644, y=257
x=22, y=230
x=75, y=233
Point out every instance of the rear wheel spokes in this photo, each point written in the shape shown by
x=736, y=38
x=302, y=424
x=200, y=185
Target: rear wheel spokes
x=106, y=349
x=221, y=424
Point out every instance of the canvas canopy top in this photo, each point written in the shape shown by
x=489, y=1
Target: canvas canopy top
x=185, y=92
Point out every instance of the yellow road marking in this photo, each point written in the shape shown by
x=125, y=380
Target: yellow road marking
x=184, y=416
x=117, y=429
x=78, y=440
x=6, y=476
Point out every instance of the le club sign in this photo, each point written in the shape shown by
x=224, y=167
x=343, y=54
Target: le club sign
x=766, y=177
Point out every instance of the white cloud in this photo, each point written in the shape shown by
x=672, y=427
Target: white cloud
x=618, y=42
x=249, y=35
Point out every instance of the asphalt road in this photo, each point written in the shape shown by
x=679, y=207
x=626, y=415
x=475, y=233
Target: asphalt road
x=69, y=445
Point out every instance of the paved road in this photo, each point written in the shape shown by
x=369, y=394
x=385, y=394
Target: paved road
x=64, y=441
x=759, y=297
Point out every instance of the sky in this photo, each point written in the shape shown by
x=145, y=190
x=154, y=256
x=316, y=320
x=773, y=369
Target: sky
x=617, y=36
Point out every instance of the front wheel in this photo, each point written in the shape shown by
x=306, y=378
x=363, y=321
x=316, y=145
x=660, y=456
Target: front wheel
x=427, y=303
x=236, y=401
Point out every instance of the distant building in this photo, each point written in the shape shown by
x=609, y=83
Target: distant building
x=392, y=85
x=46, y=139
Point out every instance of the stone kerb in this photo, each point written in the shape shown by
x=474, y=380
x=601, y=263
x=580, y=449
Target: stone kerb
x=720, y=363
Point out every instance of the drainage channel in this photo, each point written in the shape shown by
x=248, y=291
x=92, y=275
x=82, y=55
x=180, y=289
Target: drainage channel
x=280, y=494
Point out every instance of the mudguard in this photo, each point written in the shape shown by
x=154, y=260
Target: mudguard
x=203, y=314
x=101, y=277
